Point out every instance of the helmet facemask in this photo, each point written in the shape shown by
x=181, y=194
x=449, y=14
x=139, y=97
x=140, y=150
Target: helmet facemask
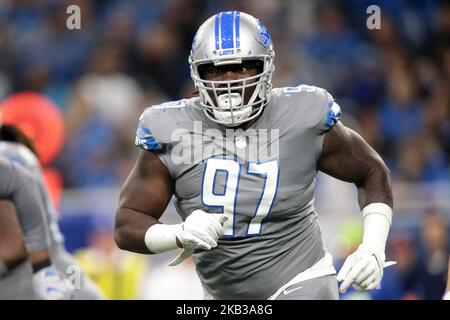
x=232, y=102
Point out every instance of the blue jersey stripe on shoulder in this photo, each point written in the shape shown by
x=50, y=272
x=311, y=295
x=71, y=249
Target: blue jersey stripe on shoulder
x=142, y=132
x=145, y=139
x=18, y=159
x=333, y=114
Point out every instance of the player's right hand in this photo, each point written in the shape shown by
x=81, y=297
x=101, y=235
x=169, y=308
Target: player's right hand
x=50, y=284
x=201, y=230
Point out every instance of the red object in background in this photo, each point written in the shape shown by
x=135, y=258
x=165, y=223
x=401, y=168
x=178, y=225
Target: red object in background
x=39, y=118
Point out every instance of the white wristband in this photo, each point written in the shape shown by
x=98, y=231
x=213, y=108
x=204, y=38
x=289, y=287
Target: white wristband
x=377, y=218
x=162, y=237
x=378, y=208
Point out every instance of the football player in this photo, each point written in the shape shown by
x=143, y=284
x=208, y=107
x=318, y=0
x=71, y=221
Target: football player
x=17, y=147
x=241, y=160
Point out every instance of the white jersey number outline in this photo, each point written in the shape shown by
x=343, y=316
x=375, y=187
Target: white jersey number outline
x=226, y=200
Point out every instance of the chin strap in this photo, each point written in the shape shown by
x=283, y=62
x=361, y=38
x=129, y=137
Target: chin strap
x=235, y=117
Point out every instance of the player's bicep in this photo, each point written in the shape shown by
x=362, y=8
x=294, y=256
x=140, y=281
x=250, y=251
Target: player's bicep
x=149, y=186
x=346, y=156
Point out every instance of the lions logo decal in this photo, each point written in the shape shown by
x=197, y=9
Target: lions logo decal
x=263, y=35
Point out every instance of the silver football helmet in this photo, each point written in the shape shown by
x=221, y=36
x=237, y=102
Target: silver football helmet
x=230, y=38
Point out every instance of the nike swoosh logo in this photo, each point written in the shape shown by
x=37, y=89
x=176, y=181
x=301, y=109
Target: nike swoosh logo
x=289, y=291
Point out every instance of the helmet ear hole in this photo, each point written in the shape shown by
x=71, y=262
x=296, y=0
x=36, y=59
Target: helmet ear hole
x=203, y=68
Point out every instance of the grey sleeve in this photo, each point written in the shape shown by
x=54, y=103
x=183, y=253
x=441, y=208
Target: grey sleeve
x=154, y=134
x=320, y=112
x=145, y=135
x=331, y=114
x=329, y=110
x=22, y=189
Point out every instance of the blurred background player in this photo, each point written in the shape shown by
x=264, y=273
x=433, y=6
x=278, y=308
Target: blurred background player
x=17, y=147
x=432, y=268
x=36, y=277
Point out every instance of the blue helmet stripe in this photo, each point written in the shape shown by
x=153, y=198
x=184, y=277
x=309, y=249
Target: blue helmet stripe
x=236, y=24
x=217, y=32
x=226, y=30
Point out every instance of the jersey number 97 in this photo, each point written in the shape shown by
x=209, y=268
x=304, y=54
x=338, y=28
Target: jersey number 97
x=226, y=200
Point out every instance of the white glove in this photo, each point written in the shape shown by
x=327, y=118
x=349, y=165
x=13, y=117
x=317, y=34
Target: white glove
x=50, y=284
x=363, y=268
x=200, y=230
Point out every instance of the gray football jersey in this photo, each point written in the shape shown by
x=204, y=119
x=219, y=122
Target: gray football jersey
x=19, y=186
x=262, y=179
x=23, y=156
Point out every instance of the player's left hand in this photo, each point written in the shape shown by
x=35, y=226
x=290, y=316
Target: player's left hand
x=363, y=269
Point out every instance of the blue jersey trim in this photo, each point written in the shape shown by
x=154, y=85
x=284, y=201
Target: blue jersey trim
x=333, y=114
x=144, y=139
